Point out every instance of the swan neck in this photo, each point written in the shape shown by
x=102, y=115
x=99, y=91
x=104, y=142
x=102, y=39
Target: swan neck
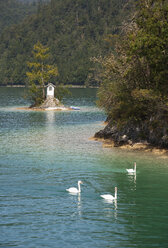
x=115, y=192
x=79, y=188
x=135, y=166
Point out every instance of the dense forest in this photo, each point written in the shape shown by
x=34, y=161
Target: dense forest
x=74, y=30
x=33, y=1
x=134, y=90
x=14, y=11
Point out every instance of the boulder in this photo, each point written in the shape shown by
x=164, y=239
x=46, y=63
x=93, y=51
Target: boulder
x=51, y=102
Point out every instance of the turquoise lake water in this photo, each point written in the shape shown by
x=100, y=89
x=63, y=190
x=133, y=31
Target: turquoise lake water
x=43, y=153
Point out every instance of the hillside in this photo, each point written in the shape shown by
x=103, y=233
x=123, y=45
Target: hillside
x=75, y=31
x=14, y=11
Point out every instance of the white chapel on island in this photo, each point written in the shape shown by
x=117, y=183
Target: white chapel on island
x=50, y=90
x=51, y=102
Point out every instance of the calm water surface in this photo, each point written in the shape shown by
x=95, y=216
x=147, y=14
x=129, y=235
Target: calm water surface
x=43, y=153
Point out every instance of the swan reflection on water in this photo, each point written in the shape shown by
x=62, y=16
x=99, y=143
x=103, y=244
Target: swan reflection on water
x=132, y=176
x=114, y=202
x=112, y=210
x=79, y=205
x=78, y=202
x=132, y=180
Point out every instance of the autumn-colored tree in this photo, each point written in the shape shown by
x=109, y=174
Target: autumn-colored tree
x=40, y=73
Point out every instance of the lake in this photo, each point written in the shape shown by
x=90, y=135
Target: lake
x=44, y=153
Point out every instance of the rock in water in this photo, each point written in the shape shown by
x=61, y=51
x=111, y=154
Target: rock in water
x=51, y=102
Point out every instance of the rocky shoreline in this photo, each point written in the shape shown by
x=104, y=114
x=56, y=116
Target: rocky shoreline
x=133, y=137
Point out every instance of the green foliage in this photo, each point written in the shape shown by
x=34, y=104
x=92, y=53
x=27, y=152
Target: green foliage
x=35, y=94
x=135, y=76
x=151, y=42
x=75, y=31
x=40, y=73
x=61, y=91
x=14, y=11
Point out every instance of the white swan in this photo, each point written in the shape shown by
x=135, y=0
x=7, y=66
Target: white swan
x=132, y=170
x=110, y=197
x=75, y=190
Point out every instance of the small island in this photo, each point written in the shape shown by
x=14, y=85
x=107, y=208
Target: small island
x=43, y=95
x=50, y=102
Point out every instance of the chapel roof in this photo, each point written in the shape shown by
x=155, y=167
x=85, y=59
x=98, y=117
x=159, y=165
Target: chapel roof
x=50, y=84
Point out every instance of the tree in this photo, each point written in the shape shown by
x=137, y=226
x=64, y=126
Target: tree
x=135, y=76
x=40, y=73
